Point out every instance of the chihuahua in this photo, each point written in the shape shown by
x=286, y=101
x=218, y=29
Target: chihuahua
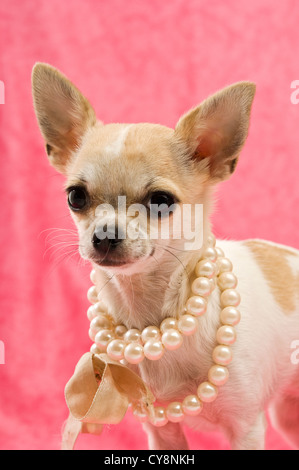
x=145, y=279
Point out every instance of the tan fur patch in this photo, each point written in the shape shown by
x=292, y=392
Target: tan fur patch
x=273, y=261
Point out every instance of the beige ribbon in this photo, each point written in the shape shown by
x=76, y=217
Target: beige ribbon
x=99, y=393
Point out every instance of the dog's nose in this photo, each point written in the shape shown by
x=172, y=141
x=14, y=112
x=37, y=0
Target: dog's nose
x=110, y=241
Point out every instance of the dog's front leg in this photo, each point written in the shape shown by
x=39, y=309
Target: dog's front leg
x=168, y=437
x=251, y=437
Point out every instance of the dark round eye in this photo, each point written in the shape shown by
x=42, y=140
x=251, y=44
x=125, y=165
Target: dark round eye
x=77, y=199
x=160, y=203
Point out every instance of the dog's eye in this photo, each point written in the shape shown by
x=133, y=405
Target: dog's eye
x=160, y=203
x=77, y=199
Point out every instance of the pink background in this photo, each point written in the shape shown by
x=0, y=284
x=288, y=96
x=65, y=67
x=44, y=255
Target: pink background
x=136, y=61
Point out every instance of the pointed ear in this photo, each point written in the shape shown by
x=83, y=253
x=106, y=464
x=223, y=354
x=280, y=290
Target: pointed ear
x=63, y=113
x=217, y=129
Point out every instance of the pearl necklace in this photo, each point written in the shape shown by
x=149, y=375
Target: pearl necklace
x=133, y=346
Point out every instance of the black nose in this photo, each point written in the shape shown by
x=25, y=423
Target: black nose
x=112, y=239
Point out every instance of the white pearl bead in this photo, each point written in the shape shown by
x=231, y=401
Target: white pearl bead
x=192, y=405
x=172, y=339
x=210, y=253
x=92, y=294
x=150, y=332
x=196, y=306
x=187, y=324
x=218, y=375
x=120, y=331
x=99, y=308
x=168, y=324
x=94, y=326
x=159, y=417
x=91, y=314
x=226, y=334
x=207, y=392
x=224, y=265
x=212, y=284
x=227, y=280
x=230, y=316
x=132, y=336
x=219, y=251
x=91, y=334
x=153, y=349
x=222, y=355
x=230, y=298
x=205, y=268
x=94, y=349
x=93, y=276
x=100, y=322
x=134, y=353
x=174, y=412
x=115, y=349
x=211, y=240
x=103, y=337
x=140, y=413
x=201, y=286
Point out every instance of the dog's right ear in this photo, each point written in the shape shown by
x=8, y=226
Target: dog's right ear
x=63, y=114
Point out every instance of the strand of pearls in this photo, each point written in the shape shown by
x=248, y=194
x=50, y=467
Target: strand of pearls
x=133, y=345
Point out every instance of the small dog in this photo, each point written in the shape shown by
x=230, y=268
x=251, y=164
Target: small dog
x=145, y=280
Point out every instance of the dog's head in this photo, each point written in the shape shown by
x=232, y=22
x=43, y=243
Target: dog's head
x=131, y=188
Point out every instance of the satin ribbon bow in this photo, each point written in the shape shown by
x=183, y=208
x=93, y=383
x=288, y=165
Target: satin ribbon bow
x=99, y=393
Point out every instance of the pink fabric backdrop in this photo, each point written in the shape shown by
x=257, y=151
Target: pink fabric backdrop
x=136, y=61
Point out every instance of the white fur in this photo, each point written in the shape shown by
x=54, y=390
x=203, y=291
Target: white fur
x=114, y=149
x=261, y=365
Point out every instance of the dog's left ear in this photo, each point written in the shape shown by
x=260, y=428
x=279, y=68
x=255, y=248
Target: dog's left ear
x=217, y=129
